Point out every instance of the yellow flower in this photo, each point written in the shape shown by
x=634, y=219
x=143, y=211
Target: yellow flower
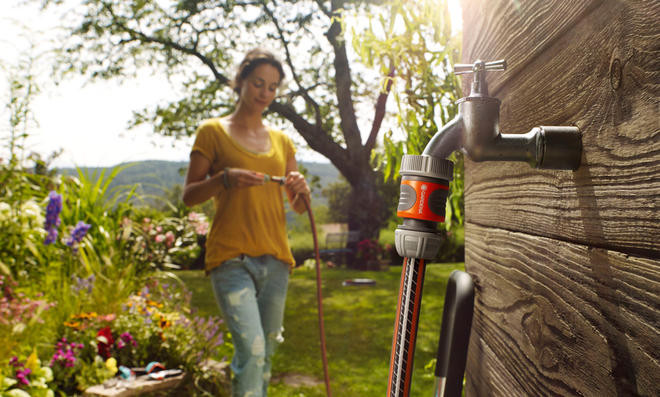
x=111, y=365
x=164, y=322
x=154, y=303
x=32, y=361
x=84, y=316
x=74, y=324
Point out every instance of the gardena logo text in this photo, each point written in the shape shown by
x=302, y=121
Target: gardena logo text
x=422, y=198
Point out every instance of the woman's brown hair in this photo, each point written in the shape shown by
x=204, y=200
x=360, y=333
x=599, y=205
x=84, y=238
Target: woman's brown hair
x=254, y=58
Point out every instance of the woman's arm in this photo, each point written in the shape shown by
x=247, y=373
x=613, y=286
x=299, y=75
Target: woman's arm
x=296, y=186
x=198, y=188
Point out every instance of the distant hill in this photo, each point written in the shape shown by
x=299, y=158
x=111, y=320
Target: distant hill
x=155, y=177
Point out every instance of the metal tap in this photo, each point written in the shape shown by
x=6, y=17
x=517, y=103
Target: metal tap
x=424, y=189
x=476, y=131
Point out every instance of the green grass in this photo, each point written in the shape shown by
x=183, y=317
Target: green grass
x=359, y=324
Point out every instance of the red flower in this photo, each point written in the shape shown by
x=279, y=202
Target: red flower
x=105, y=341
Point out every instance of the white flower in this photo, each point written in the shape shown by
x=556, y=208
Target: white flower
x=17, y=393
x=5, y=211
x=31, y=209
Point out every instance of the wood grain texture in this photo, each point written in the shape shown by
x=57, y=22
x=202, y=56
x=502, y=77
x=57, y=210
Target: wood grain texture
x=567, y=264
x=601, y=72
x=555, y=318
x=496, y=29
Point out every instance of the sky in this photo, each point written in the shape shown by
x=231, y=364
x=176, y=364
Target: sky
x=89, y=120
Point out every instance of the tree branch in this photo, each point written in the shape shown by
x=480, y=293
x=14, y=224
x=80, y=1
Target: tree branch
x=302, y=90
x=323, y=9
x=348, y=119
x=168, y=43
x=379, y=113
x=315, y=137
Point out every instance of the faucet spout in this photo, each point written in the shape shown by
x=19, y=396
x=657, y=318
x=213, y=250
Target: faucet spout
x=476, y=131
x=447, y=140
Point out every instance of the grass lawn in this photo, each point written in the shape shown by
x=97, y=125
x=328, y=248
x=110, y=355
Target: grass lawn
x=359, y=324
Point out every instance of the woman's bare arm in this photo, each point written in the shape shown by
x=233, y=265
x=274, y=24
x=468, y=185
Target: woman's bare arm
x=198, y=188
x=296, y=186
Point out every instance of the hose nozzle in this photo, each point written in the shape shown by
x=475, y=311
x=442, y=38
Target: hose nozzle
x=276, y=179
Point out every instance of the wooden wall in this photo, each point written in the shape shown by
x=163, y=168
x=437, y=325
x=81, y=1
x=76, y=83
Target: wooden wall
x=567, y=264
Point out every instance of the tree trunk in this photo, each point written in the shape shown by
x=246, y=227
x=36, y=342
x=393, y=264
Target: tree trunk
x=366, y=213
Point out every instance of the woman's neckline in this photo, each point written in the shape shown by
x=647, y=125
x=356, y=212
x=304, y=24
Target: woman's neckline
x=225, y=127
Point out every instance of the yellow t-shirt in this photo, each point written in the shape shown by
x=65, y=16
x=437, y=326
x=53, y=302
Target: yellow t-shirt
x=248, y=221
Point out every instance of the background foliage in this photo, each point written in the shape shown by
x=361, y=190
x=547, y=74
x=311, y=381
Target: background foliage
x=340, y=76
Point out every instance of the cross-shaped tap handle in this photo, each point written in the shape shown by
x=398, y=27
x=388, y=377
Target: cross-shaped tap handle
x=479, y=68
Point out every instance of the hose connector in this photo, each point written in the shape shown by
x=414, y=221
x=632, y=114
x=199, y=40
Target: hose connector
x=422, y=201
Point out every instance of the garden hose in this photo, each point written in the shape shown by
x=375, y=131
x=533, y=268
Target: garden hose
x=423, y=194
x=319, y=295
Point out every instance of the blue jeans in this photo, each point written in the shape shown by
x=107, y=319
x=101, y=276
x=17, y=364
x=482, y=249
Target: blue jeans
x=251, y=292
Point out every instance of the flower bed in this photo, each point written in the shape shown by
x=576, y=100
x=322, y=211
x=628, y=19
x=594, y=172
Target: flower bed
x=85, y=291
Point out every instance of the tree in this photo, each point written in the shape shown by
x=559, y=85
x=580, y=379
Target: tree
x=324, y=98
x=421, y=52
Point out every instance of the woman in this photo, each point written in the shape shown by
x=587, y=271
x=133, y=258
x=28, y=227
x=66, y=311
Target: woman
x=247, y=252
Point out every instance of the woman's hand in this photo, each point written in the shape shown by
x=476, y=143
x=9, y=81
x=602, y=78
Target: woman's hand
x=240, y=178
x=296, y=184
x=296, y=187
x=298, y=190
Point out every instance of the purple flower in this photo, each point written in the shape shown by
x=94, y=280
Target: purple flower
x=22, y=374
x=127, y=339
x=65, y=354
x=53, y=210
x=51, y=237
x=78, y=233
x=52, y=216
x=81, y=284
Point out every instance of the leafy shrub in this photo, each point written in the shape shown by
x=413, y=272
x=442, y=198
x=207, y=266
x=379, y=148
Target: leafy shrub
x=169, y=242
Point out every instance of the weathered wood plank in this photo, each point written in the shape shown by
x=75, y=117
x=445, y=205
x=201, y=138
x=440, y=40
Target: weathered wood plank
x=603, y=75
x=555, y=318
x=495, y=28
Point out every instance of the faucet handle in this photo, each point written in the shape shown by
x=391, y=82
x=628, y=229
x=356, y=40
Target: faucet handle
x=479, y=68
x=496, y=65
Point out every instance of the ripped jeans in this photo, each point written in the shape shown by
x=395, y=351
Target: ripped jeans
x=251, y=292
